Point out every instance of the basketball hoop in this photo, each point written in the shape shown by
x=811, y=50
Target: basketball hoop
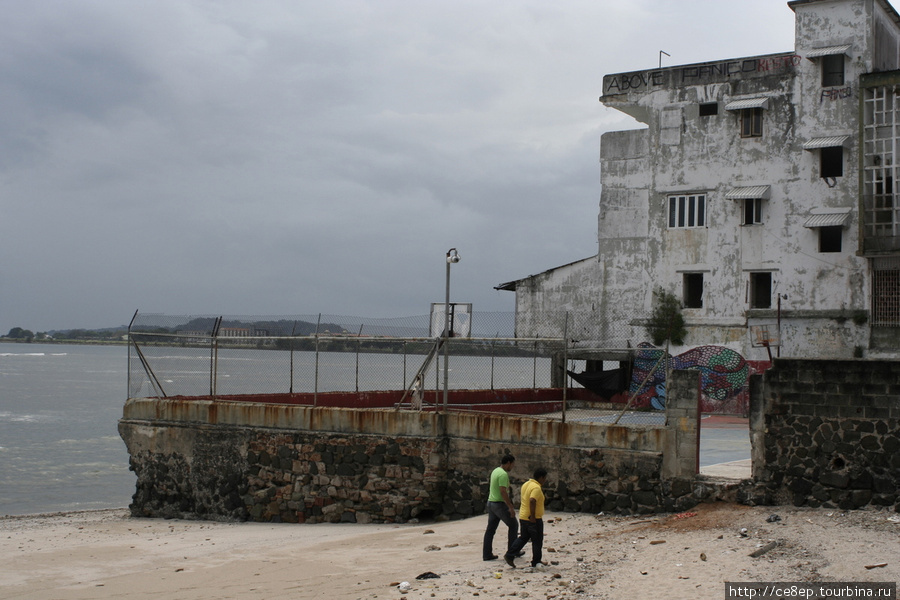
x=460, y=319
x=764, y=336
x=761, y=336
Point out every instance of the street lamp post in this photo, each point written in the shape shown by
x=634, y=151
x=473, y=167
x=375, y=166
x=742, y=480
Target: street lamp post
x=452, y=257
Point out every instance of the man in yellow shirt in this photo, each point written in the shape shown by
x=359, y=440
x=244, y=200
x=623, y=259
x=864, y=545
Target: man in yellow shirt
x=531, y=513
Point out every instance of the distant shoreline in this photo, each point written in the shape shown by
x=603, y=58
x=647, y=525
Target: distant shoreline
x=5, y=340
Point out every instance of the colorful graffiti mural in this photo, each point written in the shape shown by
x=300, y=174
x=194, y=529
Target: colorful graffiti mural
x=723, y=377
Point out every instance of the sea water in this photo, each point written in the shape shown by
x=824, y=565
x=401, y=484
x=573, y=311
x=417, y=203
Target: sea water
x=60, y=448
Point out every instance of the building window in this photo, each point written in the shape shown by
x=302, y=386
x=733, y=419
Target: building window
x=760, y=290
x=752, y=211
x=751, y=122
x=832, y=70
x=831, y=161
x=830, y=238
x=886, y=292
x=693, y=290
x=687, y=211
x=709, y=109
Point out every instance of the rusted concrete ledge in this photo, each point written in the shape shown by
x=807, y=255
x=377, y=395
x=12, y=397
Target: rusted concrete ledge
x=395, y=423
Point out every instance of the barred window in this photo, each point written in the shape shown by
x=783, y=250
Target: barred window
x=687, y=211
x=886, y=292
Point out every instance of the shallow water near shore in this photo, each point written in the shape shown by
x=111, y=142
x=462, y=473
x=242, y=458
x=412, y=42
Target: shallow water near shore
x=60, y=448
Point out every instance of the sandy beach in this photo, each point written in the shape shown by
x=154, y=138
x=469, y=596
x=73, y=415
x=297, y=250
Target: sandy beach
x=108, y=554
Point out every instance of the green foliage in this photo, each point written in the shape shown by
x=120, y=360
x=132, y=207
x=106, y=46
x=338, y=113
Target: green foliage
x=17, y=333
x=666, y=321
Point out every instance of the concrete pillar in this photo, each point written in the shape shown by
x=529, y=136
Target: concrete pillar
x=558, y=375
x=681, y=452
x=758, y=469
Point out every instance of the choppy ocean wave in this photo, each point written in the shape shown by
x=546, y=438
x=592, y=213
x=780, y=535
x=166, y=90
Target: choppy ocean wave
x=59, y=409
x=10, y=417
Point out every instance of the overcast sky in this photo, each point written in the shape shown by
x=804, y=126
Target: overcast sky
x=291, y=157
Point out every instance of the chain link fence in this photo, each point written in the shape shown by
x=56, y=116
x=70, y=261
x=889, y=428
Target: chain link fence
x=604, y=372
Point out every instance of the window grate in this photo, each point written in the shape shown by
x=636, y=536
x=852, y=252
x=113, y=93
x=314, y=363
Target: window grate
x=881, y=137
x=886, y=292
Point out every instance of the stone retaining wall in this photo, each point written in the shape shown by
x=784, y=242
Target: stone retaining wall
x=827, y=433
x=240, y=461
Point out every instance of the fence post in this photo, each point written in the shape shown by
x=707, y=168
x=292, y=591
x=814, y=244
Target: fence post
x=214, y=358
x=128, y=378
x=358, y=343
x=316, y=388
x=493, y=345
x=565, y=375
x=293, y=333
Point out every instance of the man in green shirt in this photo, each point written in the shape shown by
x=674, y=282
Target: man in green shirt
x=531, y=515
x=500, y=508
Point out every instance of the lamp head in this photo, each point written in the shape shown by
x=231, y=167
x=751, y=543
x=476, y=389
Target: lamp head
x=452, y=256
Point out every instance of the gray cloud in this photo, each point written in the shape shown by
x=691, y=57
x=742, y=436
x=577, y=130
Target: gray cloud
x=285, y=157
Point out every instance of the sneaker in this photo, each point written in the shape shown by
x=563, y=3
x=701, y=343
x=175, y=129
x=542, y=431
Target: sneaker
x=509, y=560
x=539, y=567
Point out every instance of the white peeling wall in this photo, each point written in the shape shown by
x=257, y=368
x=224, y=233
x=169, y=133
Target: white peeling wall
x=682, y=152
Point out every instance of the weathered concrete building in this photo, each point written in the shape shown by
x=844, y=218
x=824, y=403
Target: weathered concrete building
x=762, y=192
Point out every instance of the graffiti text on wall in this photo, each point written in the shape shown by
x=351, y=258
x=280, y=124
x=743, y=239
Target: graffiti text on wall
x=694, y=74
x=836, y=94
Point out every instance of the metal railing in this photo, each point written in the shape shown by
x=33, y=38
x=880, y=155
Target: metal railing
x=548, y=362
x=220, y=357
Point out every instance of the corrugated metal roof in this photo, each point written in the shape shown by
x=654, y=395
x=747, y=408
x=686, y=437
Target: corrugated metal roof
x=828, y=219
x=744, y=193
x=762, y=102
x=826, y=142
x=827, y=51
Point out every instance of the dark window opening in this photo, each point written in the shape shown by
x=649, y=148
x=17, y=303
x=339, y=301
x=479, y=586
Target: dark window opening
x=752, y=211
x=760, y=290
x=830, y=238
x=832, y=161
x=709, y=109
x=832, y=70
x=693, y=290
x=751, y=122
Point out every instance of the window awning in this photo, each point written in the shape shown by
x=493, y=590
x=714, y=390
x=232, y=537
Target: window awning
x=829, y=219
x=827, y=51
x=745, y=193
x=762, y=102
x=826, y=142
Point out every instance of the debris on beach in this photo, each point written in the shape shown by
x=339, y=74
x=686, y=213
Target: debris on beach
x=428, y=575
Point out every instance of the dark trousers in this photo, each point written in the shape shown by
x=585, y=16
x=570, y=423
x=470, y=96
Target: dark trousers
x=498, y=511
x=533, y=532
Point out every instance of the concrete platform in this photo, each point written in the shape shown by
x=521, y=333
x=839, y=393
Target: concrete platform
x=725, y=446
x=738, y=469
